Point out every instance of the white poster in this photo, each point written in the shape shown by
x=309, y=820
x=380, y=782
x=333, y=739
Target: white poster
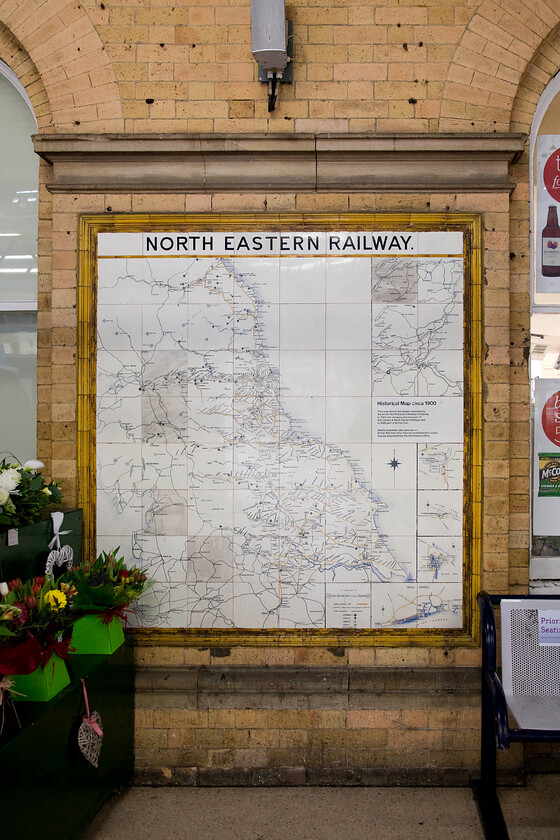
x=280, y=425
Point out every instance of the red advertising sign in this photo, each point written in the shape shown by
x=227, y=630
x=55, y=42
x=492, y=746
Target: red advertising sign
x=551, y=418
x=551, y=175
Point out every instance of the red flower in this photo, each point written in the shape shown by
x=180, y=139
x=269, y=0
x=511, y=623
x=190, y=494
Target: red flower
x=123, y=573
x=37, y=585
x=31, y=602
x=35, y=588
x=15, y=584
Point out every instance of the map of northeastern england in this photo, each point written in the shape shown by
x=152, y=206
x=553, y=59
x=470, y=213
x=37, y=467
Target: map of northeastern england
x=280, y=426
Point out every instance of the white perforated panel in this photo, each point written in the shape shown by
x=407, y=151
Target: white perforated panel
x=535, y=668
x=530, y=672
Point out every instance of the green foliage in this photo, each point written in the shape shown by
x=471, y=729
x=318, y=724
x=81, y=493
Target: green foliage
x=106, y=582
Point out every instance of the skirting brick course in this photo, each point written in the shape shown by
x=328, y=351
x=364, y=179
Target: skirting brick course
x=286, y=725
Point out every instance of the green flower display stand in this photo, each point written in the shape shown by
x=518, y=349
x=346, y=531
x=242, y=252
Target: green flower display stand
x=49, y=790
x=43, y=684
x=92, y=635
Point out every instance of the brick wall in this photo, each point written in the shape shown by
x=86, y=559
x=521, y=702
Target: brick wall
x=421, y=735
x=181, y=66
x=285, y=718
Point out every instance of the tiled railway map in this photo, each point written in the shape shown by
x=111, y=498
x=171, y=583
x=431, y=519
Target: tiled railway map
x=279, y=426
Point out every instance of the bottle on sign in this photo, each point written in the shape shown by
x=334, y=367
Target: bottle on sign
x=551, y=245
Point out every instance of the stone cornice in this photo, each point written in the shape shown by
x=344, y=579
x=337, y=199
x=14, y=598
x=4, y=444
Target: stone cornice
x=404, y=163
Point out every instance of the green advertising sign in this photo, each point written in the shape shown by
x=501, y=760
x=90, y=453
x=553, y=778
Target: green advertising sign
x=549, y=473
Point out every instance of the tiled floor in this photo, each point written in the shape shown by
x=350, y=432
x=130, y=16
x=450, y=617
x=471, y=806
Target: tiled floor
x=531, y=813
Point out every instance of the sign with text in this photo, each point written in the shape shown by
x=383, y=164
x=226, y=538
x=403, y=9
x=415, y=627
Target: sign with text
x=417, y=418
x=549, y=627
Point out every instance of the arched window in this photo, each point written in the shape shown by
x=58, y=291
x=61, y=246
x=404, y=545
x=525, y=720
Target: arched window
x=545, y=340
x=19, y=198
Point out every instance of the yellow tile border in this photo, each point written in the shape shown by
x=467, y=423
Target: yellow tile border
x=471, y=227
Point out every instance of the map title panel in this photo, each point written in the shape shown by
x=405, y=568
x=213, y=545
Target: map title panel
x=349, y=243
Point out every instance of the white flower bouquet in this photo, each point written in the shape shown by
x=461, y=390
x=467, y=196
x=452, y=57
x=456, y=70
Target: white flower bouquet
x=25, y=496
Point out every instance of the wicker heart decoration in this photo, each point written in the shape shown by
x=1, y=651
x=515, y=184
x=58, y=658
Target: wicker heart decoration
x=59, y=557
x=90, y=737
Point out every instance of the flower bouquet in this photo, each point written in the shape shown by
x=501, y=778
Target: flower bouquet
x=24, y=494
x=36, y=620
x=105, y=588
x=27, y=533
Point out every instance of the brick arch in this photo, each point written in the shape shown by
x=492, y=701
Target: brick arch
x=16, y=57
x=499, y=45
x=71, y=62
x=544, y=65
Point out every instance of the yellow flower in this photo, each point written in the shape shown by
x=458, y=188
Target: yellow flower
x=56, y=599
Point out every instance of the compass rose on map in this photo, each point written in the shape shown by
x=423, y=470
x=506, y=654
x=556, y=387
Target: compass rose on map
x=394, y=463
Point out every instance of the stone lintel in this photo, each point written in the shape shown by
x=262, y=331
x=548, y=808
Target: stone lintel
x=147, y=163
